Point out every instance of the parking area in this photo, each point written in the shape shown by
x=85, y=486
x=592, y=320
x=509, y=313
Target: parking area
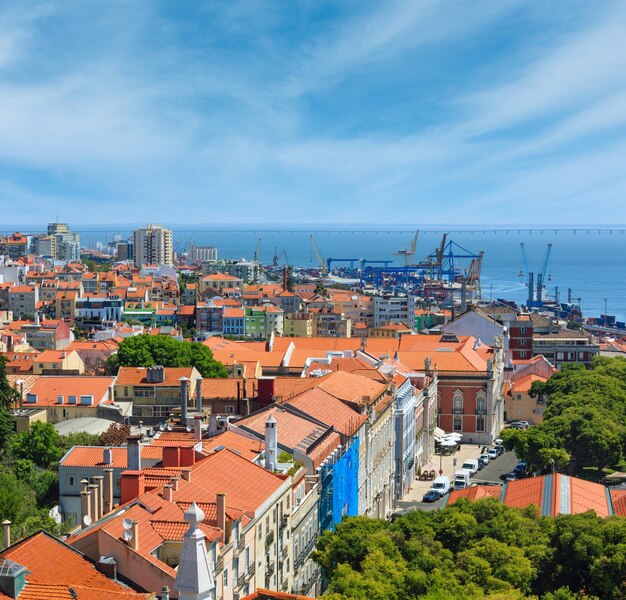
x=493, y=473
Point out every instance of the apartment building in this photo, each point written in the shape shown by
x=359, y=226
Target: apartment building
x=153, y=245
x=394, y=309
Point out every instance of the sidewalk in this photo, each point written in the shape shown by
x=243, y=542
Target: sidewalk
x=465, y=452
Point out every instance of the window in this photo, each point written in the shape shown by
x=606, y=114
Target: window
x=225, y=578
x=519, y=396
x=457, y=406
x=480, y=424
x=457, y=424
x=71, y=481
x=481, y=405
x=230, y=409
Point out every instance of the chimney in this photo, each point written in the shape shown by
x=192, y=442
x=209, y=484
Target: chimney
x=84, y=483
x=132, y=485
x=186, y=474
x=165, y=593
x=107, y=456
x=85, y=509
x=199, y=395
x=212, y=426
x=107, y=491
x=167, y=492
x=187, y=456
x=184, y=399
x=133, y=449
x=99, y=482
x=197, y=428
x=6, y=527
x=134, y=540
x=174, y=483
x=271, y=445
x=94, y=502
x=171, y=456
x=220, y=505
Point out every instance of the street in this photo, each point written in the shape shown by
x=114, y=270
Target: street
x=491, y=474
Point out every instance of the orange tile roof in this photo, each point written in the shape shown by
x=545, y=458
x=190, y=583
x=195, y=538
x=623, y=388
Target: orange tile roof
x=351, y=388
x=524, y=384
x=244, y=446
x=138, y=376
x=49, y=387
x=234, y=313
x=328, y=409
x=524, y=493
x=248, y=490
x=618, y=498
x=475, y=493
x=317, y=343
x=230, y=387
x=53, y=567
x=93, y=456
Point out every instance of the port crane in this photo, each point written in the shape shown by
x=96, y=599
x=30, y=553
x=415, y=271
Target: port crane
x=535, y=295
x=256, y=252
x=320, y=258
x=406, y=252
x=275, y=261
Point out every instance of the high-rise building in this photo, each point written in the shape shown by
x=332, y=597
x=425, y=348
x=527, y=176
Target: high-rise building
x=202, y=253
x=67, y=242
x=44, y=245
x=153, y=246
x=124, y=250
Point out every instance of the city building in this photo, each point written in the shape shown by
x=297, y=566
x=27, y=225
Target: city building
x=393, y=309
x=153, y=245
x=66, y=244
x=202, y=253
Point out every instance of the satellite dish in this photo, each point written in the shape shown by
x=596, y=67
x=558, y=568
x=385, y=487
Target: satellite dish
x=188, y=429
x=127, y=535
x=87, y=520
x=169, y=428
x=127, y=523
x=162, y=426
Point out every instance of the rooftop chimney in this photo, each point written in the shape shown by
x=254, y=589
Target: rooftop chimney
x=155, y=374
x=107, y=456
x=184, y=399
x=167, y=492
x=197, y=428
x=271, y=445
x=133, y=445
x=6, y=527
x=107, y=491
x=134, y=540
x=199, y=395
x=220, y=506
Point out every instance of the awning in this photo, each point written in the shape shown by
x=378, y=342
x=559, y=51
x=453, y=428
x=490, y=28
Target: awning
x=448, y=443
x=439, y=433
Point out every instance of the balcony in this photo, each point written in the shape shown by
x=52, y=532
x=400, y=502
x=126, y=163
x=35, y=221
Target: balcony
x=481, y=411
x=457, y=411
x=251, y=570
x=269, y=571
x=219, y=564
x=284, y=552
x=241, y=544
x=284, y=521
x=269, y=538
x=285, y=586
x=241, y=580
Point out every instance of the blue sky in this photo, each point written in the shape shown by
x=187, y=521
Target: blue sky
x=417, y=112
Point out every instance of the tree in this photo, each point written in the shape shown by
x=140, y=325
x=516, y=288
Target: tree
x=115, y=435
x=8, y=395
x=7, y=429
x=39, y=443
x=17, y=500
x=148, y=350
x=78, y=438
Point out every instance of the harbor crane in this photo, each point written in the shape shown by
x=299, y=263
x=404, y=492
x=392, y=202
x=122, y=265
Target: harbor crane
x=256, y=252
x=275, y=261
x=406, y=252
x=320, y=258
x=535, y=295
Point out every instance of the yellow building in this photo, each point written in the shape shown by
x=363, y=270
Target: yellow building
x=299, y=325
x=58, y=362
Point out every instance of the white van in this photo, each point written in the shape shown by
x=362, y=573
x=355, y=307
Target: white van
x=471, y=466
x=461, y=479
x=441, y=485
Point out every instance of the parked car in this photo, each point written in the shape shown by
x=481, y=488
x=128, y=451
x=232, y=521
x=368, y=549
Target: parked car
x=512, y=476
x=485, y=458
x=520, y=469
x=431, y=496
x=520, y=424
x=482, y=463
x=499, y=449
x=493, y=454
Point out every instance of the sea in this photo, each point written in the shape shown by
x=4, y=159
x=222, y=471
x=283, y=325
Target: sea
x=589, y=261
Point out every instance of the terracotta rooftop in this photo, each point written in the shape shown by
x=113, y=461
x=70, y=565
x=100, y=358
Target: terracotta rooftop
x=244, y=446
x=54, y=568
x=475, y=493
x=93, y=456
x=48, y=388
x=262, y=594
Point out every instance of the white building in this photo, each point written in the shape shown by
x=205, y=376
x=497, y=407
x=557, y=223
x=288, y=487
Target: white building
x=153, y=246
x=397, y=309
x=66, y=242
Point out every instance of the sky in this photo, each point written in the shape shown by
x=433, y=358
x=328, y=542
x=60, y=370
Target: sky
x=287, y=111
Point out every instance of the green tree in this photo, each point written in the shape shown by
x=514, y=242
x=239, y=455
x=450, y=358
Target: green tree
x=17, y=500
x=148, y=350
x=8, y=395
x=39, y=443
x=7, y=429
